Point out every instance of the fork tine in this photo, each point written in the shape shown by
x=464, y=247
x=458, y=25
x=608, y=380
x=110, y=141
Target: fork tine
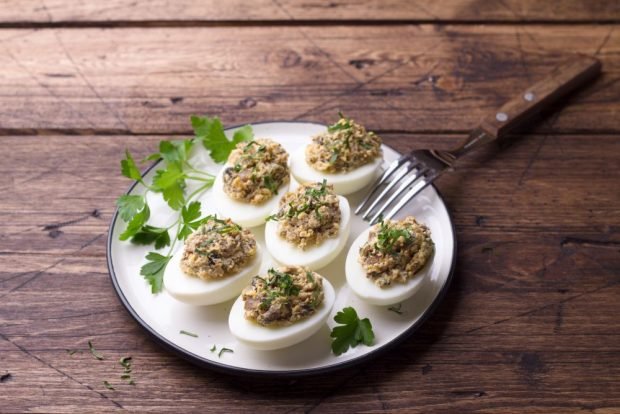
x=404, y=186
x=412, y=193
x=394, y=165
x=402, y=173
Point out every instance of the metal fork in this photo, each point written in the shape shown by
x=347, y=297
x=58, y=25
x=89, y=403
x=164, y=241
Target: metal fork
x=404, y=178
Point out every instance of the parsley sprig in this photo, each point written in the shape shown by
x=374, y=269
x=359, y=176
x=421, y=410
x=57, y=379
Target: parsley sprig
x=351, y=332
x=171, y=182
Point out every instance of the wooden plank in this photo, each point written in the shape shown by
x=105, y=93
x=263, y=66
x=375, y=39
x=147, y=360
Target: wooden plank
x=52, y=11
x=530, y=322
x=442, y=78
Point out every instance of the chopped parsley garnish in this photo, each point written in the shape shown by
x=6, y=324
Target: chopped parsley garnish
x=278, y=284
x=270, y=184
x=213, y=348
x=311, y=201
x=316, y=193
x=219, y=355
x=387, y=236
x=334, y=156
x=71, y=351
x=108, y=385
x=188, y=333
x=342, y=124
x=396, y=308
x=351, y=332
x=94, y=352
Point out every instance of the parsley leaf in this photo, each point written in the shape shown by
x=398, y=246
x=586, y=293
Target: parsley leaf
x=129, y=206
x=175, y=151
x=149, y=234
x=129, y=168
x=188, y=333
x=190, y=215
x=136, y=223
x=153, y=270
x=351, y=332
x=211, y=132
x=171, y=183
x=108, y=385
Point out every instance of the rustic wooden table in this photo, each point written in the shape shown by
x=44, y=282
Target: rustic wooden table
x=531, y=320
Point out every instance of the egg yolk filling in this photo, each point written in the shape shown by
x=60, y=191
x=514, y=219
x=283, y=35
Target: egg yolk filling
x=256, y=170
x=309, y=215
x=345, y=145
x=218, y=248
x=282, y=297
x=396, y=251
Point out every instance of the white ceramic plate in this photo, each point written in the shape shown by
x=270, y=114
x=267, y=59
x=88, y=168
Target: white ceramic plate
x=163, y=317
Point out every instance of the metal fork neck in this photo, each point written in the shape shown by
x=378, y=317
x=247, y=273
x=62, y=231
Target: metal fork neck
x=477, y=138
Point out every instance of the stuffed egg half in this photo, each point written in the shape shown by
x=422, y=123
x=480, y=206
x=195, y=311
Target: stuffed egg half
x=310, y=227
x=216, y=263
x=388, y=262
x=346, y=155
x=251, y=183
x=282, y=308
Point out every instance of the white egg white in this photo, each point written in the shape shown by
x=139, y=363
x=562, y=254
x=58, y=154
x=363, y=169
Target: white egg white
x=244, y=214
x=363, y=287
x=195, y=291
x=313, y=257
x=268, y=338
x=344, y=183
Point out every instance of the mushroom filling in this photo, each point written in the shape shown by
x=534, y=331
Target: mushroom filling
x=309, y=215
x=218, y=248
x=257, y=169
x=284, y=296
x=345, y=145
x=396, y=251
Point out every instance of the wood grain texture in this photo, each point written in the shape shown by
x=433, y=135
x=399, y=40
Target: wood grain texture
x=442, y=78
x=530, y=322
x=50, y=11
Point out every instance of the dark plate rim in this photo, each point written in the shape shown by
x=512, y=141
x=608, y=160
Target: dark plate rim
x=216, y=366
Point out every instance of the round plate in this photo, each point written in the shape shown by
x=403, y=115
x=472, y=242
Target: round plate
x=164, y=317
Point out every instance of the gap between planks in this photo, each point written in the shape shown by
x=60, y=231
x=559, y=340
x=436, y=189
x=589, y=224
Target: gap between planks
x=283, y=23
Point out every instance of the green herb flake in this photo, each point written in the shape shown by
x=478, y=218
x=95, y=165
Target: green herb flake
x=219, y=355
x=213, y=348
x=270, y=184
x=334, y=156
x=273, y=217
x=396, y=309
x=94, y=352
x=389, y=235
x=125, y=362
x=188, y=333
x=351, y=332
x=108, y=385
x=71, y=351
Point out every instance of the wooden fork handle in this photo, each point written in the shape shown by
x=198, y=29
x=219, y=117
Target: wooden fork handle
x=561, y=82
